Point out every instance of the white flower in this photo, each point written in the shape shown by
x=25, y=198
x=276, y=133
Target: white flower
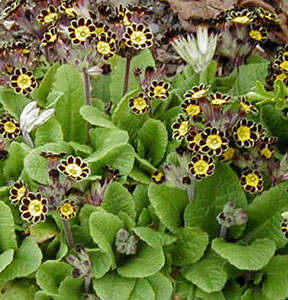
x=197, y=52
x=32, y=117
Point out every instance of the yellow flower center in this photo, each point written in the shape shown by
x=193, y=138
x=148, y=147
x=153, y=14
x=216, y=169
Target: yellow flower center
x=82, y=33
x=214, y=141
x=252, y=179
x=218, y=101
x=255, y=35
x=158, y=177
x=138, y=37
x=243, y=133
x=241, y=20
x=197, y=139
x=53, y=38
x=9, y=127
x=103, y=48
x=183, y=128
x=140, y=103
x=21, y=192
x=198, y=94
x=24, y=81
x=284, y=65
x=193, y=110
x=71, y=11
x=245, y=107
x=281, y=76
x=228, y=155
x=50, y=18
x=159, y=90
x=67, y=209
x=201, y=167
x=35, y=208
x=74, y=170
x=267, y=153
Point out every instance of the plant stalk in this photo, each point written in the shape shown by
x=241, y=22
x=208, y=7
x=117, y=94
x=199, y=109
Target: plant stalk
x=28, y=139
x=127, y=74
x=68, y=234
x=223, y=231
x=87, y=87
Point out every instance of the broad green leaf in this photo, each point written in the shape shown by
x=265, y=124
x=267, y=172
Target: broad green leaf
x=139, y=176
x=140, y=195
x=80, y=149
x=71, y=288
x=211, y=194
x=142, y=291
x=51, y=274
x=154, y=138
x=199, y=294
x=161, y=286
x=42, y=232
x=246, y=257
x=255, y=293
x=112, y=286
x=117, y=198
x=207, y=76
x=6, y=258
x=169, y=204
x=42, y=296
x=85, y=214
x=21, y=290
x=69, y=82
x=190, y=245
x=265, y=215
x=208, y=273
x=101, y=262
x=13, y=103
x=183, y=288
x=26, y=261
x=7, y=229
x=49, y=132
x=232, y=290
x=146, y=262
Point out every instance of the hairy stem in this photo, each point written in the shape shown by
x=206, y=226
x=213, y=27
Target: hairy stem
x=190, y=193
x=87, y=283
x=223, y=231
x=28, y=139
x=68, y=234
x=127, y=74
x=87, y=87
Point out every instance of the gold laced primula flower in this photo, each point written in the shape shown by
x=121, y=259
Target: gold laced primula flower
x=281, y=63
x=279, y=74
x=138, y=36
x=159, y=90
x=48, y=15
x=228, y=155
x=181, y=128
x=18, y=191
x=158, y=177
x=22, y=81
x=9, y=127
x=201, y=166
x=67, y=209
x=123, y=15
x=50, y=37
x=197, y=92
x=106, y=44
x=266, y=149
x=74, y=168
x=252, y=181
x=139, y=104
x=266, y=15
x=192, y=108
x=246, y=133
x=213, y=141
x=247, y=107
x=193, y=139
x=284, y=227
x=101, y=28
x=81, y=30
x=218, y=99
x=243, y=17
x=68, y=9
x=11, y=7
x=257, y=33
x=34, y=208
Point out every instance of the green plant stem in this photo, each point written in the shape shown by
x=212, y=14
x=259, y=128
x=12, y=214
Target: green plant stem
x=127, y=74
x=28, y=139
x=87, y=87
x=68, y=234
x=87, y=283
x=223, y=231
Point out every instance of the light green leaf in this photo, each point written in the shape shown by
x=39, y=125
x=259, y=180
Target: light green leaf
x=42, y=296
x=49, y=132
x=6, y=258
x=199, y=294
x=246, y=257
x=22, y=290
x=42, y=232
x=80, y=149
x=13, y=103
x=101, y=262
x=142, y=291
x=71, y=288
x=140, y=195
x=255, y=294
x=161, y=286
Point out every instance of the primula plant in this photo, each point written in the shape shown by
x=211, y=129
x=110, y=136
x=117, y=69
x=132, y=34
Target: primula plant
x=141, y=159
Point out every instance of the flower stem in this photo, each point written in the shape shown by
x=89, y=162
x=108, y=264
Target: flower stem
x=223, y=231
x=87, y=87
x=127, y=74
x=87, y=283
x=68, y=234
x=190, y=193
x=28, y=139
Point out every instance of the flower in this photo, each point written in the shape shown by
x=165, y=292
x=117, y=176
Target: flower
x=140, y=104
x=138, y=36
x=265, y=14
x=181, y=127
x=31, y=116
x=17, y=192
x=48, y=15
x=81, y=30
x=257, y=33
x=123, y=15
x=106, y=44
x=197, y=92
x=281, y=63
x=241, y=17
x=284, y=227
x=201, y=166
x=218, y=99
x=74, y=168
x=213, y=141
x=101, y=28
x=68, y=9
x=192, y=108
x=266, y=149
x=228, y=155
x=23, y=81
x=50, y=37
x=252, y=181
x=198, y=52
x=33, y=208
x=247, y=107
x=193, y=139
x=158, y=177
x=246, y=133
x=158, y=90
x=11, y=7
x=67, y=209
x=9, y=127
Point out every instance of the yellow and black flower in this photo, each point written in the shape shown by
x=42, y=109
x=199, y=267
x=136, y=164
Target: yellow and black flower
x=18, y=191
x=265, y=14
x=213, y=141
x=81, y=30
x=279, y=74
x=74, y=168
x=139, y=104
x=181, y=128
x=33, y=208
x=23, y=81
x=192, y=108
x=228, y=155
x=257, y=33
x=9, y=69
x=201, y=166
x=193, y=139
x=50, y=37
x=101, y=28
x=68, y=9
x=247, y=107
x=158, y=177
x=21, y=47
x=281, y=63
x=9, y=127
x=52, y=155
x=218, y=99
x=284, y=227
x=106, y=44
x=11, y=7
x=159, y=90
x=197, y=92
x=48, y=15
x=138, y=36
x=241, y=16
x=266, y=149
x=123, y=15
x=67, y=209
x=246, y=133
x=252, y=181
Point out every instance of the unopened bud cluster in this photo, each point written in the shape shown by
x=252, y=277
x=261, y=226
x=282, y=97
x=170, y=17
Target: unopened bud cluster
x=126, y=243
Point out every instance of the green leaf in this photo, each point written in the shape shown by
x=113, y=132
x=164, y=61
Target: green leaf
x=41, y=296
x=161, y=286
x=207, y=76
x=246, y=257
x=100, y=262
x=190, y=246
x=111, y=287
x=13, y=103
x=146, y=262
x=265, y=215
x=7, y=230
x=80, y=149
x=26, y=261
x=49, y=132
x=255, y=294
x=42, y=232
x=6, y=258
x=142, y=291
x=22, y=290
x=140, y=195
x=169, y=204
x=199, y=294
x=208, y=273
x=51, y=274
x=211, y=194
x=71, y=288
x=117, y=198
x=154, y=138
x=69, y=82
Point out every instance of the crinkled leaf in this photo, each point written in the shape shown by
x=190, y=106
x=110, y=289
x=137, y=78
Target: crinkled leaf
x=161, y=286
x=142, y=291
x=21, y=290
x=6, y=258
x=101, y=262
x=71, y=288
x=13, y=103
